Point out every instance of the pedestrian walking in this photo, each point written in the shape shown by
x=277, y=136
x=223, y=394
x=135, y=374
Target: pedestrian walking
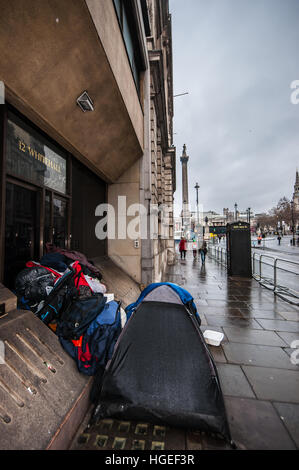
x=279, y=239
x=194, y=248
x=203, y=251
x=183, y=247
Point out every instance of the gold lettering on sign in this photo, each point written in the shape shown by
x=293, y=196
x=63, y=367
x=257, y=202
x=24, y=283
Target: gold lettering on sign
x=22, y=146
x=40, y=157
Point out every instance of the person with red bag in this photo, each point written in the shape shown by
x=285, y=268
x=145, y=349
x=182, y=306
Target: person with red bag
x=183, y=247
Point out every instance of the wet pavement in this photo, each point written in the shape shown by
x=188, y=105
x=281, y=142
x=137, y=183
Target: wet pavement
x=259, y=380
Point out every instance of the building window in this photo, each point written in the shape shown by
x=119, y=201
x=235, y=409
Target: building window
x=126, y=22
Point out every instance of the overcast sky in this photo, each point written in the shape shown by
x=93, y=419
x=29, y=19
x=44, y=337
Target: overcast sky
x=237, y=60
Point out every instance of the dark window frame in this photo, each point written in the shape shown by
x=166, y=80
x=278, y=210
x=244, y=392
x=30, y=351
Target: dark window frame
x=126, y=7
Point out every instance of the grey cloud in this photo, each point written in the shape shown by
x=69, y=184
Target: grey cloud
x=237, y=60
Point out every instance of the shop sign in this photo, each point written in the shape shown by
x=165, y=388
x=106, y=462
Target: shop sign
x=31, y=157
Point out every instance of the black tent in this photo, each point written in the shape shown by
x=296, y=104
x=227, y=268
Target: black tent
x=161, y=370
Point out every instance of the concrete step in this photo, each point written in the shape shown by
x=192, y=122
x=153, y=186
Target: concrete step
x=43, y=397
x=124, y=288
x=8, y=301
x=42, y=407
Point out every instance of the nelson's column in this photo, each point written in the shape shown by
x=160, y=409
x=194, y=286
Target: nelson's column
x=185, y=214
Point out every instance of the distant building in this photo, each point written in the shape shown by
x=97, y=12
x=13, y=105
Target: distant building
x=221, y=220
x=296, y=193
x=177, y=228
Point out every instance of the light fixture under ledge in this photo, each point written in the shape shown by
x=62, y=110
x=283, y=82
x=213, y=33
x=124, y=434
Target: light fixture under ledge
x=85, y=102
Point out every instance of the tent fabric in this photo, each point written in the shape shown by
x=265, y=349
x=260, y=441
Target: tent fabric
x=184, y=295
x=163, y=294
x=162, y=372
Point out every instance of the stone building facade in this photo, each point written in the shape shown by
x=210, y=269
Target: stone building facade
x=119, y=153
x=163, y=154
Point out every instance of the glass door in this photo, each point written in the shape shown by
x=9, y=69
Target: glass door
x=60, y=222
x=56, y=220
x=21, y=229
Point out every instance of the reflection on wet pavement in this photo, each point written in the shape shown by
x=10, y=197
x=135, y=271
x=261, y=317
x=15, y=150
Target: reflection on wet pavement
x=259, y=380
x=253, y=361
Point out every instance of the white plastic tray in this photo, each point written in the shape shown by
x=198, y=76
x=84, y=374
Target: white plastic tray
x=213, y=338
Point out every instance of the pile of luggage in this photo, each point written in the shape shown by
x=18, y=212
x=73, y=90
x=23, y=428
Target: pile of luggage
x=67, y=295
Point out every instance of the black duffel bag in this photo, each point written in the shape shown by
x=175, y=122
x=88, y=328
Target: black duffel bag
x=76, y=318
x=32, y=283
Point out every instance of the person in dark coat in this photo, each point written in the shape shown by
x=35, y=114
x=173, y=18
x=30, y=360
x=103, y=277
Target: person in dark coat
x=203, y=251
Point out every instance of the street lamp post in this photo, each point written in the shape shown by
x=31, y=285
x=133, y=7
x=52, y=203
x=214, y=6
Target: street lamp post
x=197, y=188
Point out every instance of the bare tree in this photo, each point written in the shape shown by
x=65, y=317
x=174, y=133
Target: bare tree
x=284, y=210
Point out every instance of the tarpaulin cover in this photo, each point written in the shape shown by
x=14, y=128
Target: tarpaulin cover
x=161, y=370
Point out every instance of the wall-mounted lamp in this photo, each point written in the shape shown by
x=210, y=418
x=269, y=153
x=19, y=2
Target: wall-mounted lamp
x=85, y=102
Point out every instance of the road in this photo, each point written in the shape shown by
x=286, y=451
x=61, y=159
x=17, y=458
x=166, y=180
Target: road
x=287, y=272
x=284, y=250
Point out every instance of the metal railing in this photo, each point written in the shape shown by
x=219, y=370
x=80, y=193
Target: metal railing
x=277, y=274
x=218, y=253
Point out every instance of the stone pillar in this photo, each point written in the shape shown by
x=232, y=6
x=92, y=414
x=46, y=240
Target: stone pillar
x=185, y=196
x=184, y=160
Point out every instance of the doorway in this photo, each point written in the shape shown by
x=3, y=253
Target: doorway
x=22, y=228
x=56, y=223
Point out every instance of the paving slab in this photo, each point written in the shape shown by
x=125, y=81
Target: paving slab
x=274, y=384
x=289, y=414
x=200, y=303
x=242, y=297
x=267, y=305
x=203, y=319
x=290, y=352
x=291, y=316
x=218, y=354
x=216, y=296
x=280, y=325
x=226, y=311
x=226, y=303
x=215, y=320
x=257, y=355
x=233, y=381
x=267, y=314
x=251, y=336
x=288, y=337
x=200, y=441
x=256, y=425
